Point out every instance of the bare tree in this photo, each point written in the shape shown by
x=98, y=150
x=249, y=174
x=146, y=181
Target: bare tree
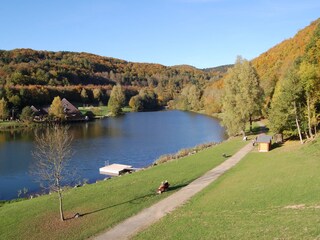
x=52, y=153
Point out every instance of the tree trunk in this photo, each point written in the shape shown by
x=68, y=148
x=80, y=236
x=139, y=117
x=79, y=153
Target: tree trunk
x=297, y=123
x=299, y=131
x=250, y=120
x=309, y=117
x=243, y=132
x=60, y=205
x=306, y=132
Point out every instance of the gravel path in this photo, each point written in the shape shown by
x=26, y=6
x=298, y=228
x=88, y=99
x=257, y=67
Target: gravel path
x=148, y=216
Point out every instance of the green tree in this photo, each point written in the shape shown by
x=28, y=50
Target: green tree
x=4, y=112
x=211, y=98
x=136, y=103
x=116, y=101
x=189, y=98
x=84, y=95
x=287, y=105
x=310, y=80
x=242, y=97
x=181, y=103
x=56, y=109
x=97, y=94
x=148, y=99
x=2, y=92
x=26, y=115
x=41, y=76
x=194, y=98
x=15, y=100
x=164, y=96
x=18, y=78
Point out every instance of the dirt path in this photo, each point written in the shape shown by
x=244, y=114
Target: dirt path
x=148, y=216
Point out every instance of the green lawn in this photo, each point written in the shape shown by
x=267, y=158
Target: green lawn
x=106, y=203
x=4, y=125
x=100, y=111
x=274, y=195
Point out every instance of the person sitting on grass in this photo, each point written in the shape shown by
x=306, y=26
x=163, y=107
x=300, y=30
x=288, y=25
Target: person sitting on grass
x=163, y=187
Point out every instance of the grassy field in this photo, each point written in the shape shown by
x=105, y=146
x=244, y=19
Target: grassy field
x=274, y=195
x=106, y=203
x=10, y=124
x=100, y=111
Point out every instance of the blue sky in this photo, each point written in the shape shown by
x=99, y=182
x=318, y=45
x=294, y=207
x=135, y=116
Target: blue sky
x=202, y=33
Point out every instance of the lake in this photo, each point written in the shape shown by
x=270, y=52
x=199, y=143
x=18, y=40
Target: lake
x=136, y=139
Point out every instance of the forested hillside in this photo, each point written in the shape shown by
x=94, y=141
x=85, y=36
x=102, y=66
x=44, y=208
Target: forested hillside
x=36, y=77
x=272, y=65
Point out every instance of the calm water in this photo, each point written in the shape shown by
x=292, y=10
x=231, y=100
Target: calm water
x=136, y=139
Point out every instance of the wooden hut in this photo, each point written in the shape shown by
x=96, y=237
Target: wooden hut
x=264, y=143
x=72, y=113
x=39, y=114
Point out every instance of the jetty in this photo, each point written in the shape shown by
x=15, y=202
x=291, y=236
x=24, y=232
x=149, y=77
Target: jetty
x=117, y=169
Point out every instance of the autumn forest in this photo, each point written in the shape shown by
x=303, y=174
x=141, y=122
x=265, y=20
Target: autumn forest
x=288, y=78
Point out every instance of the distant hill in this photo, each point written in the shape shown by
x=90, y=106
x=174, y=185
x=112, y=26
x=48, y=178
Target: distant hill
x=29, y=74
x=30, y=67
x=185, y=67
x=221, y=69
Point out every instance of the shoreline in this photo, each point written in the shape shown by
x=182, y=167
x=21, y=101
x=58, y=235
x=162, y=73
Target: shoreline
x=184, y=152
x=121, y=197
x=35, y=190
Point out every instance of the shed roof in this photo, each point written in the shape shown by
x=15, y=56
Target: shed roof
x=39, y=111
x=264, y=139
x=68, y=107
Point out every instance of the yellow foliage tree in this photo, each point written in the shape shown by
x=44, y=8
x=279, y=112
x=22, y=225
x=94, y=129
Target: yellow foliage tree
x=4, y=112
x=56, y=109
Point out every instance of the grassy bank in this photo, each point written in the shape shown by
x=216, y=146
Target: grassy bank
x=106, y=203
x=4, y=125
x=274, y=195
x=100, y=111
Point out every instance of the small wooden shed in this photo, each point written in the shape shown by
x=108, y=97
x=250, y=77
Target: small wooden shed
x=264, y=143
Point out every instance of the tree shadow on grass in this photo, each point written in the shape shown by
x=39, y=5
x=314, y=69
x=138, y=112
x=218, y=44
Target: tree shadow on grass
x=258, y=129
x=173, y=188
x=226, y=155
x=133, y=201
x=276, y=145
x=255, y=130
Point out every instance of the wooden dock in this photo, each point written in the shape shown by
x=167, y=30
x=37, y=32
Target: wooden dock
x=116, y=169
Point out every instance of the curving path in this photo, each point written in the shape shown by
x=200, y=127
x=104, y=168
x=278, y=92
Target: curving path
x=148, y=216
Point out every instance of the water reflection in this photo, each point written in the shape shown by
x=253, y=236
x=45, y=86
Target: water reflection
x=135, y=139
